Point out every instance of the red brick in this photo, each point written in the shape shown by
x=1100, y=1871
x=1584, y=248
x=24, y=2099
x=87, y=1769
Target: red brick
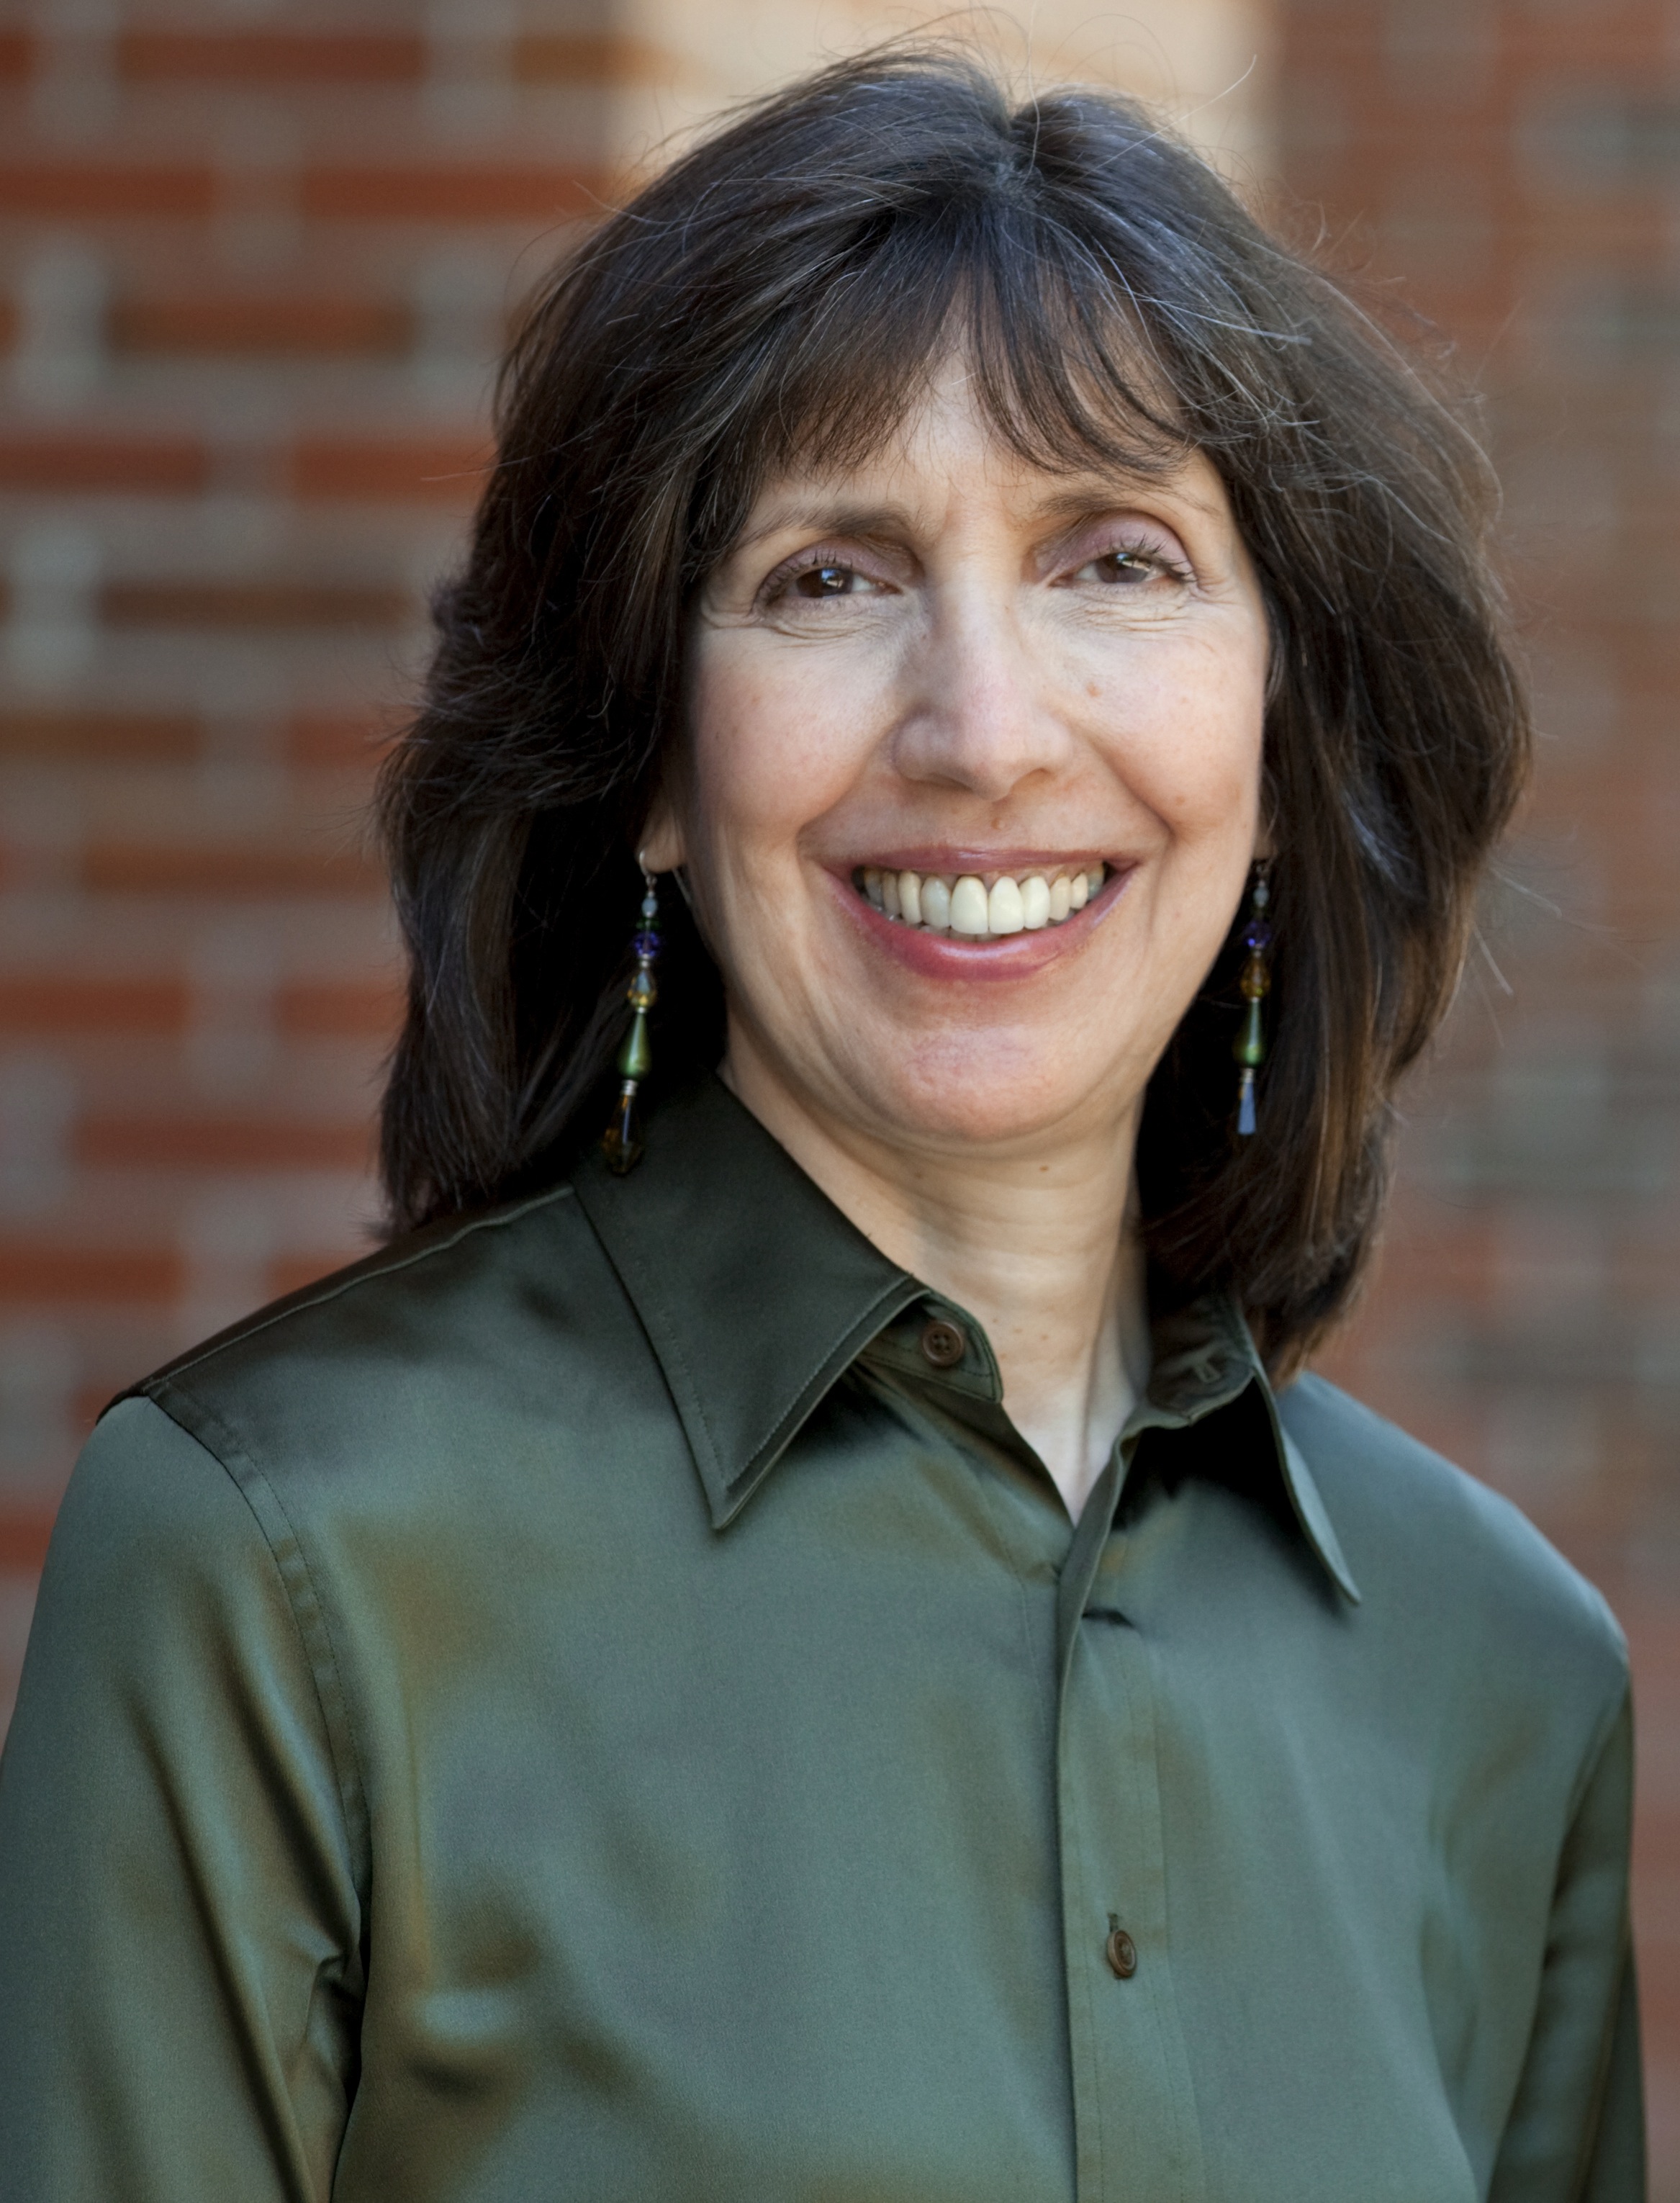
x=89, y=1401
x=256, y=605
x=47, y=1273
x=451, y=473
x=259, y=326
x=23, y=1542
x=367, y=1009
x=39, y=460
x=586, y=58
x=236, y=875
x=186, y=1143
x=99, y=737
x=67, y=1002
x=338, y=738
x=17, y=55
x=448, y=192
x=271, y=57
x=92, y=191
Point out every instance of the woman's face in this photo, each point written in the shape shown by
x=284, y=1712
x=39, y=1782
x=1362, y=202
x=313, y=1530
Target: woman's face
x=1032, y=703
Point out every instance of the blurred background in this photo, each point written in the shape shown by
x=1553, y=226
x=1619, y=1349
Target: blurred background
x=257, y=259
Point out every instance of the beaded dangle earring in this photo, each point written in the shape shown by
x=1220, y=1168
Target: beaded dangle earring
x=621, y=1143
x=1250, y=1047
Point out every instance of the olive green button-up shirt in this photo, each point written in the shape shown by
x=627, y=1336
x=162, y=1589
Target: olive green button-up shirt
x=598, y=1702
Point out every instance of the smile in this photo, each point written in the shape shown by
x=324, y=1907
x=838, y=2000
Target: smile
x=980, y=905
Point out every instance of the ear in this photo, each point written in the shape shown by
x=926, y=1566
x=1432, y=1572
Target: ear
x=663, y=847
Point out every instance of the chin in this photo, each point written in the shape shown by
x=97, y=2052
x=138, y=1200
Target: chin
x=985, y=1099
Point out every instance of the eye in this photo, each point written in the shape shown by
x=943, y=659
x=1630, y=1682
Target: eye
x=1125, y=569
x=828, y=581
x=818, y=576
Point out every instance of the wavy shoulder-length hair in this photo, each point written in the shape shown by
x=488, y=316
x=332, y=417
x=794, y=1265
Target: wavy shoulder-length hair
x=781, y=292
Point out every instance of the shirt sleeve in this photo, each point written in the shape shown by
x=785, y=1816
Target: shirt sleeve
x=180, y=1920
x=1577, y=2131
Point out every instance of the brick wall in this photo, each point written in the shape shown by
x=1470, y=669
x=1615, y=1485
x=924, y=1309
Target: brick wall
x=1513, y=171
x=254, y=266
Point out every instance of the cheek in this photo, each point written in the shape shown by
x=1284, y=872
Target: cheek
x=774, y=748
x=734, y=786
x=1194, y=757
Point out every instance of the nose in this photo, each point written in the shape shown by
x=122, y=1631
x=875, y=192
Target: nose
x=979, y=714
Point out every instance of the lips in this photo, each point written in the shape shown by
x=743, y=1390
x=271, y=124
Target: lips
x=980, y=905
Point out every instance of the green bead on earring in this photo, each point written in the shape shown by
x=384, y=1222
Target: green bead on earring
x=621, y=1143
x=1249, y=1046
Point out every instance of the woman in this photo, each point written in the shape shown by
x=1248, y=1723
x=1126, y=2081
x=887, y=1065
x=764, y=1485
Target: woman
x=819, y=1647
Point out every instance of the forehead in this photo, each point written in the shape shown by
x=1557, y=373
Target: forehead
x=945, y=446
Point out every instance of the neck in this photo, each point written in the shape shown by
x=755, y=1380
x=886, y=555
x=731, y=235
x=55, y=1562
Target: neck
x=1040, y=1246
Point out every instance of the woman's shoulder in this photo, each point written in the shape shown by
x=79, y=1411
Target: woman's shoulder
x=441, y=1344
x=1452, y=1562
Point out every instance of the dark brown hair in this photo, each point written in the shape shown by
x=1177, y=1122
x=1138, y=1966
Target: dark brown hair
x=782, y=291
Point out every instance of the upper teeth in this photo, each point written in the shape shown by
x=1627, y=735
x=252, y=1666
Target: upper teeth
x=946, y=902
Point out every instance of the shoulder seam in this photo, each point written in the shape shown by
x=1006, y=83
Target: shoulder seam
x=330, y=1291
x=226, y=1452
x=1495, y=1511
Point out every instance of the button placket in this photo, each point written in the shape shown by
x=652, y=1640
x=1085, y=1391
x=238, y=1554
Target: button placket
x=1134, y=2104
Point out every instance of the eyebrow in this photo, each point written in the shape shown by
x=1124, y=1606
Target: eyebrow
x=1078, y=500
x=1094, y=496
x=819, y=518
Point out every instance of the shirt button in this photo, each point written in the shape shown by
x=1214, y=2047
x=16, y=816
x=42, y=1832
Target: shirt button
x=943, y=1343
x=1121, y=1952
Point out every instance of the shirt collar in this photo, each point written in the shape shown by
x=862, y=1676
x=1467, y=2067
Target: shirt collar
x=1205, y=1357
x=756, y=1294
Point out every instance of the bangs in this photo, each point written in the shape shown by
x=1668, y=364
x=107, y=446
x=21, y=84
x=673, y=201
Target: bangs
x=1064, y=368
x=1088, y=348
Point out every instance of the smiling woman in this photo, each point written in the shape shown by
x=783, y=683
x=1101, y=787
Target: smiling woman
x=807, y=294
x=820, y=1647
x=1026, y=705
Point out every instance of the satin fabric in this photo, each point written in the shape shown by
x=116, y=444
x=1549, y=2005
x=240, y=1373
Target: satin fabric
x=583, y=1706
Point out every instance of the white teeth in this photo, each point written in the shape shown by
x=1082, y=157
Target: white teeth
x=969, y=910
x=965, y=906
x=1003, y=911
